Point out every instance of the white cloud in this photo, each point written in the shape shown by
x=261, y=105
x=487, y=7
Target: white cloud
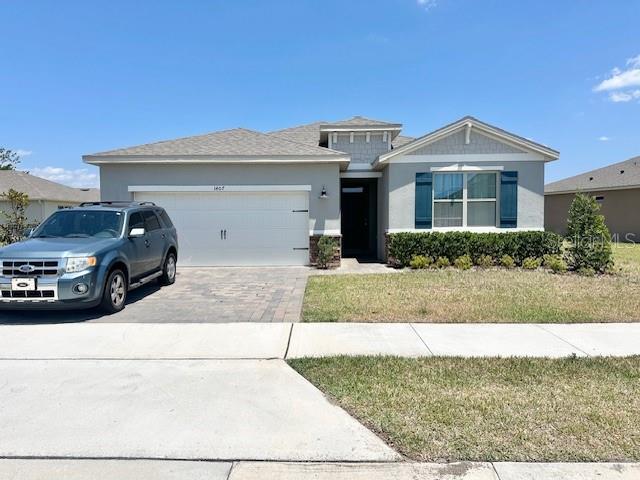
x=604, y=138
x=618, y=97
x=619, y=83
x=428, y=4
x=77, y=178
x=23, y=153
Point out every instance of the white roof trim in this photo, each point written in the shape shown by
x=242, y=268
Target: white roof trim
x=202, y=159
x=591, y=190
x=463, y=123
x=219, y=188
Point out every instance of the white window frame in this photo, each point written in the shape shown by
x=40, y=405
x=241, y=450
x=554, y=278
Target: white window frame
x=465, y=200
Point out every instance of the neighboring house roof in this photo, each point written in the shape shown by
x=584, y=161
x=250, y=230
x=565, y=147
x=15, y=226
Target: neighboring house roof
x=470, y=122
x=619, y=175
x=41, y=189
x=234, y=142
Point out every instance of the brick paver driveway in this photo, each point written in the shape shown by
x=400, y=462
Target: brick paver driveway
x=265, y=294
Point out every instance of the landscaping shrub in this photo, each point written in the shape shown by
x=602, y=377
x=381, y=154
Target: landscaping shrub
x=586, y=271
x=589, y=237
x=531, y=263
x=484, y=261
x=555, y=263
x=518, y=245
x=420, y=261
x=507, y=262
x=442, y=262
x=463, y=263
x=326, y=248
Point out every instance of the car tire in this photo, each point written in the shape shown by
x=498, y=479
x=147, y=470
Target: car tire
x=114, y=296
x=168, y=276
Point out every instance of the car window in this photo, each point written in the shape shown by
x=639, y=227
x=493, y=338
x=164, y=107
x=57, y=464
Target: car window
x=81, y=224
x=151, y=222
x=165, y=219
x=136, y=221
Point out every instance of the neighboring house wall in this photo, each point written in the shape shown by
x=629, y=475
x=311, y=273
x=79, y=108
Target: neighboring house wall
x=37, y=210
x=361, y=151
x=619, y=207
x=455, y=144
x=401, y=179
x=324, y=214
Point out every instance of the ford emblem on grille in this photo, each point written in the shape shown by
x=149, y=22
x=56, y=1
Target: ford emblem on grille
x=26, y=268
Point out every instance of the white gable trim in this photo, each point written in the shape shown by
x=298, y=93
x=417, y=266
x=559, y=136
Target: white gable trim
x=468, y=168
x=468, y=124
x=470, y=158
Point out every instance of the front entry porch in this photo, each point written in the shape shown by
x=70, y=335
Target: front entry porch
x=358, y=204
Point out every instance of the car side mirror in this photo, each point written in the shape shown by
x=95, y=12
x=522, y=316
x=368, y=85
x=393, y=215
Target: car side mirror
x=136, y=233
x=27, y=232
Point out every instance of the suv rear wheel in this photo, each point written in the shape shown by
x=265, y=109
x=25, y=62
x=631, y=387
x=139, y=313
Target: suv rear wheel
x=169, y=270
x=115, y=292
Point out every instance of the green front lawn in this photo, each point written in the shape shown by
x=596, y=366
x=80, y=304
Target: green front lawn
x=492, y=295
x=447, y=409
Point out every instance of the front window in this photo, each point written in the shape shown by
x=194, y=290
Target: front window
x=81, y=224
x=464, y=200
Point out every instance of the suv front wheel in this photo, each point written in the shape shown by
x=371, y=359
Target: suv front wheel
x=169, y=270
x=115, y=292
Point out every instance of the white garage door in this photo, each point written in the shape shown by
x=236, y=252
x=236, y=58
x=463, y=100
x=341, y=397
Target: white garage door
x=237, y=228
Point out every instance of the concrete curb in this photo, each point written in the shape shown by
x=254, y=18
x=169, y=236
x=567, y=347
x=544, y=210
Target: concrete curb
x=101, y=469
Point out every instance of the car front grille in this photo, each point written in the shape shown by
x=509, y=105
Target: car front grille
x=29, y=294
x=35, y=268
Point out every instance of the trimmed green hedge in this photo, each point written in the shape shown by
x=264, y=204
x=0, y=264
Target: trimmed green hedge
x=518, y=245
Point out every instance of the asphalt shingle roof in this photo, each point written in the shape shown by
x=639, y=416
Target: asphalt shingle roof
x=41, y=189
x=307, y=134
x=401, y=140
x=359, y=121
x=621, y=174
x=235, y=142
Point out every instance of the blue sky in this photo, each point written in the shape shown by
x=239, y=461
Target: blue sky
x=79, y=77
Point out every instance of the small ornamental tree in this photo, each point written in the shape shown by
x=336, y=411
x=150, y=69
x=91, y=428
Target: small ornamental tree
x=589, y=236
x=15, y=218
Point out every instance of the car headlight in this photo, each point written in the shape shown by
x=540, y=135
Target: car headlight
x=77, y=264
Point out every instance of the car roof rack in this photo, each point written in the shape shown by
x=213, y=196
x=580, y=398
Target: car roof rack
x=116, y=203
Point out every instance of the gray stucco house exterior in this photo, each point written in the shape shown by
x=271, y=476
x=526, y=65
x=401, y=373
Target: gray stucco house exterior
x=241, y=197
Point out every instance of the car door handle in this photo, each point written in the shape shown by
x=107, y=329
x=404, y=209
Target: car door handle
x=147, y=243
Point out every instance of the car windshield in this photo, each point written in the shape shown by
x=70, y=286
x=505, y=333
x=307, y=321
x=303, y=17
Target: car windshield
x=81, y=224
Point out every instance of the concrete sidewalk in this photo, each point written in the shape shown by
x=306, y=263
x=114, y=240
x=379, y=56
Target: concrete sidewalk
x=286, y=340
x=18, y=469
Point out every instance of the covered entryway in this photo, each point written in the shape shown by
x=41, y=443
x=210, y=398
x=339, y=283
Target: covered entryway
x=236, y=226
x=358, y=201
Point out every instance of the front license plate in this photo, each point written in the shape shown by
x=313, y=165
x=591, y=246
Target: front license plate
x=23, y=284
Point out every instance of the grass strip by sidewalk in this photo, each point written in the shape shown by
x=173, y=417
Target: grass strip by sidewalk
x=490, y=409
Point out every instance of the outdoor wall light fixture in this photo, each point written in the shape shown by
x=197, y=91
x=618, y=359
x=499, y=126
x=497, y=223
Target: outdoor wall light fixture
x=323, y=193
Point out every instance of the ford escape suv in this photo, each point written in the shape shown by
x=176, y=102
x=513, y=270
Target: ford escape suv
x=88, y=256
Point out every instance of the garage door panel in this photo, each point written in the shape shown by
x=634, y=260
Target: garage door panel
x=262, y=228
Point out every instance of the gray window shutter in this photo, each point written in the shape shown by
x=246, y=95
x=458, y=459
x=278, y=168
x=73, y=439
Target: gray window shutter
x=424, y=185
x=508, y=199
